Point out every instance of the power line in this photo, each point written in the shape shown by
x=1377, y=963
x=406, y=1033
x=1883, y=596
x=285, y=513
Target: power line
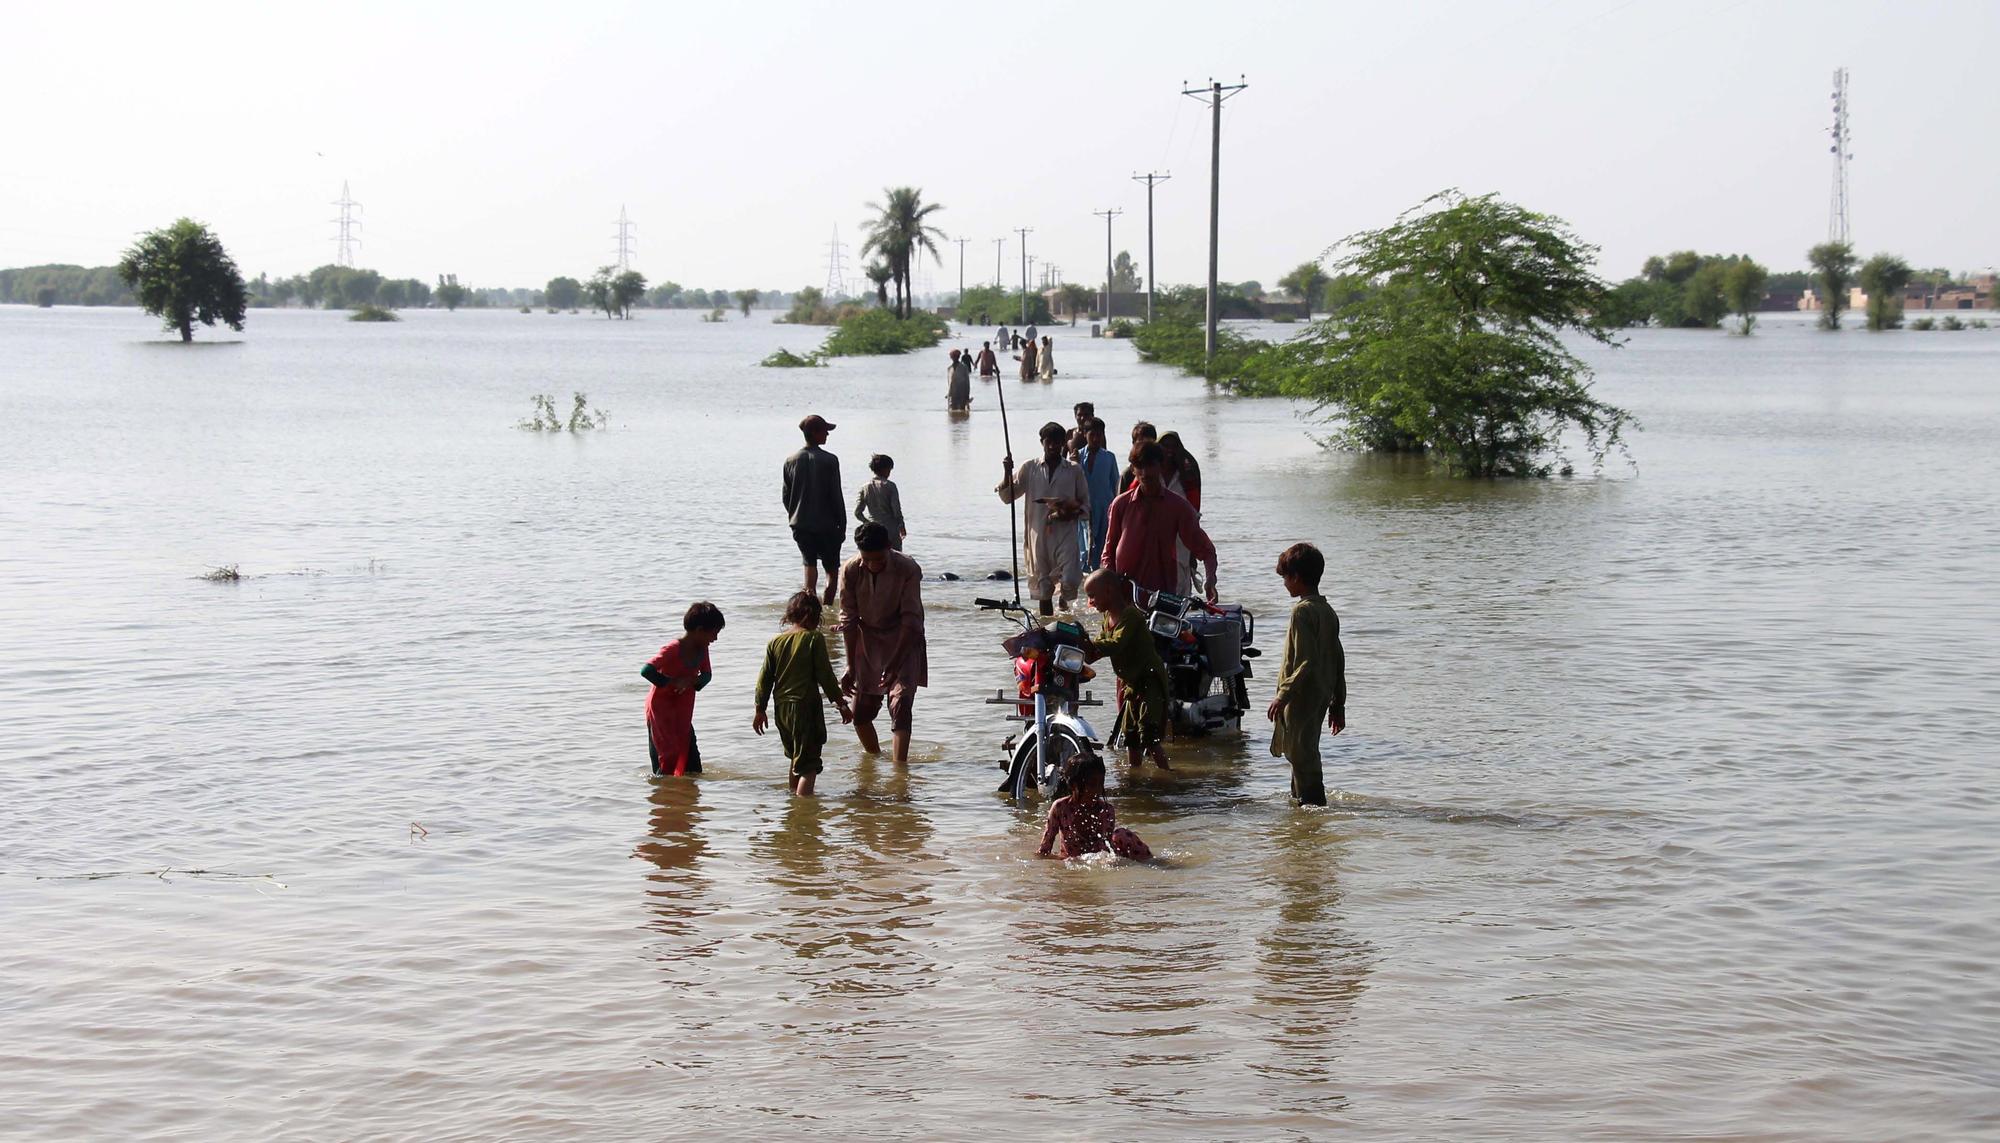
x=1109, y=282
x=1024, y=231
x=1151, y=179
x=999, y=256
x=1213, y=95
x=961, y=267
x=625, y=240
x=348, y=224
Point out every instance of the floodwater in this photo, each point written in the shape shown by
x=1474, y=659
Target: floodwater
x=1668, y=807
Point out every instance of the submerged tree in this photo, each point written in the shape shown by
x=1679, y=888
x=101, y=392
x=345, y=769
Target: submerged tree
x=1457, y=347
x=745, y=299
x=1833, y=267
x=449, y=293
x=626, y=290
x=1743, y=286
x=1883, y=278
x=879, y=273
x=182, y=275
x=1307, y=282
x=1125, y=274
x=563, y=292
x=899, y=232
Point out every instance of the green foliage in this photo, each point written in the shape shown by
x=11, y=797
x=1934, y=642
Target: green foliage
x=1458, y=350
x=1121, y=327
x=715, y=315
x=582, y=418
x=1924, y=323
x=65, y=286
x=991, y=305
x=1076, y=298
x=1883, y=278
x=1951, y=321
x=1681, y=290
x=450, y=294
x=1743, y=287
x=1307, y=282
x=182, y=275
x=392, y=294
x=565, y=293
x=369, y=311
x=879, y=331
x=1630, y=302
x=1125, y=274
x=786, y=359
x=899, y=232
x=45, y=297
x=745, y=299
x=1833, y=267
x=879, y=273
x=615, y=291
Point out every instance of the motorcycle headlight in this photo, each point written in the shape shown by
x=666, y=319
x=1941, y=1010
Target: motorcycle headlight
x=1069, y=659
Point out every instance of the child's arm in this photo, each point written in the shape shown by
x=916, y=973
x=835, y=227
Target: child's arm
x=824, y=678
x=766, y=679
x=1051, y=828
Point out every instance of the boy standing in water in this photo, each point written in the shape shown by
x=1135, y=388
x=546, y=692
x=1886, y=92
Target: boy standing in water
x=677, y=672
x=1312, y=682
x=1134, y=657
x=797, y=669
x=879, y=502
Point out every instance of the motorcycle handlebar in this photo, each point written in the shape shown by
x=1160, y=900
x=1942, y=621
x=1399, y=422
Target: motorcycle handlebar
x=996, y=605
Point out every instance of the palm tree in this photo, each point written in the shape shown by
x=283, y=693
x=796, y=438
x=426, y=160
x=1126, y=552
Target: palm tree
x=880, y=274
x=898, y=232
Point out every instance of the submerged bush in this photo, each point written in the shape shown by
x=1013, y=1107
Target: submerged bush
x=1924, y=323
x=1951, y=321
x=370, y=312
x=786, y=359
x=1121, y=327
x=582, y=418
x=877, y=331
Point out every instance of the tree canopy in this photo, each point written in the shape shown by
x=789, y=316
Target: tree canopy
x=899, y=232
x=1833, y=272
x=1307, y=282
x=182, y=275
x=1883, y=278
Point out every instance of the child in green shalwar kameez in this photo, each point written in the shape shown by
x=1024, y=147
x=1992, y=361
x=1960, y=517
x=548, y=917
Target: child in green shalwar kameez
x=1129, y=645
x=797, y=668
x=1312, y=682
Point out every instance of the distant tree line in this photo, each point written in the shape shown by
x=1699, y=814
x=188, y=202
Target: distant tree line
x=60, y=285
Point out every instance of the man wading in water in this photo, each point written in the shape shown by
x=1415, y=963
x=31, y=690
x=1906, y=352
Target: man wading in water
x=813, y=503
x=1057, y=498
x=882, y=618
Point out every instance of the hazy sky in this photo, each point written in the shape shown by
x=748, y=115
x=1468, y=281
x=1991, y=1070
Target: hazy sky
x=498, y=140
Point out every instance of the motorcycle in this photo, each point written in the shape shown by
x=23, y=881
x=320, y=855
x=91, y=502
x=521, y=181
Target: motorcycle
x=1049, y=665
x=1206, y=648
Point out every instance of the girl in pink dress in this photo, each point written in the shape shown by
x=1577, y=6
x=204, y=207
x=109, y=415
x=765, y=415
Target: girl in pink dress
x=677, y=672
x=1085, y=822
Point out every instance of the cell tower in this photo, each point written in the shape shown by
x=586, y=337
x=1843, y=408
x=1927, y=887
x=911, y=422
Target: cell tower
x=836, y=266
x=1836, y=222
x=625, y=240
x=348, y=224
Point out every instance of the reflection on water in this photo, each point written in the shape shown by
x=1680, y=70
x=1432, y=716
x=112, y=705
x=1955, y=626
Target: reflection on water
x=1311, y=969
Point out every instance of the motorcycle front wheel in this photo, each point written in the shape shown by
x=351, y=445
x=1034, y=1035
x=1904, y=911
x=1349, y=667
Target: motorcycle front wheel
x=1047, y=776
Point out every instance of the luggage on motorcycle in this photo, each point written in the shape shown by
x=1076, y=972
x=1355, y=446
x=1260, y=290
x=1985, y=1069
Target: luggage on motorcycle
x=1221, y=639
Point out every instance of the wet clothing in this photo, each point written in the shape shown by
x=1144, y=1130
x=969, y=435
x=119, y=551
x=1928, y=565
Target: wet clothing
x=1141, y=534
x=958, y=393
x=670, y=710
x=797, y=670
x=1313, y=682
x=1089, y=827
x=1054, y=552
x=1028, y=354
x=989, y=365
x=1046, y=363
x=878, y=502
x=814, y=506
x=1142, y=675
x=1100, y=475
x=877, y=609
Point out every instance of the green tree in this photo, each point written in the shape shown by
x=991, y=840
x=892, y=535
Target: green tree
x=745, y=299
x=1458, y=349
x=45, y=297
x=626, y=290
x=563, y=293
x=449, y=293
x=899, y=232
x=666, y=294
x=182, y=275
x=416, y=292
x=598, y=289
x=1743, y=286
x=1883, y=278
x=1307, y=282
x=392, y=294
x=1833, y=270
x=1076, y=297
x=1703, y=305
x=1125, y=274
x=879, y=273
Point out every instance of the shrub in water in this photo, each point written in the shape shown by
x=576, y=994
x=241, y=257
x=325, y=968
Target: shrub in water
x=877, y=331
x=582, y=418
x=369, y=312
x=786, y=359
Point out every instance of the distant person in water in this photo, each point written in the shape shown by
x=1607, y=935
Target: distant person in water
x=1030, y=334
x=1006, y=341
x=879, y=502
x=958, y=381
x=797, y=670
x=1046, y=362
x=1084, y=822
x=882, y=619
x=1027, y=359
x=677, y=672
x=1057, y=498
x=813, y=503
x=989, y=365
x=1312, y=679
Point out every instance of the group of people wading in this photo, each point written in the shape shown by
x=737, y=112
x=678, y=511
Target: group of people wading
x=1136, y=531
x=1035, y=354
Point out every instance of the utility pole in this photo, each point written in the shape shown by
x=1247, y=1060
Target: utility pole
x=1109, y=283
x=961, y=268
x=1836, y=220
x=1150, y=178
x=999, y=253
x=348, y=224
x=625, y=240
x=1024, y=232
x=836, y=266
x=1213, y=95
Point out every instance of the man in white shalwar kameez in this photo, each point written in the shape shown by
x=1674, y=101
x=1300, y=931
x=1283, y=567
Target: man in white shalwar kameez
x=1057, y=496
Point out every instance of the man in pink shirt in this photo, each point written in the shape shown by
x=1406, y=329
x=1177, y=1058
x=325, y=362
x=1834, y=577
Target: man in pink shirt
x=1146, y=520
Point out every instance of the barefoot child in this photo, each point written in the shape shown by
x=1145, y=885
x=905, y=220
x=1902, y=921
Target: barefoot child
x=1312, y=682
x=796, y=671
x=1137, y=661
x=879, y=502
x=1085, y=821
x=677, y=672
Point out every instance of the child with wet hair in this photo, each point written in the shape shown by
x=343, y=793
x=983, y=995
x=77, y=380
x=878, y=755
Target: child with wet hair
x=1142, y=674
x=879, y=502
x=1084, y=821
x=797, y=670
x=677, y=672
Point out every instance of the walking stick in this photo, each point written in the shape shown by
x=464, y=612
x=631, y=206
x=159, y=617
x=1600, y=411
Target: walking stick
x=1013, y=503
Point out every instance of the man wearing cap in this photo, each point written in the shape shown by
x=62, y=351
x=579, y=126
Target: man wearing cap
x=814, y=504
x=882, y=621
x=1057, y=498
